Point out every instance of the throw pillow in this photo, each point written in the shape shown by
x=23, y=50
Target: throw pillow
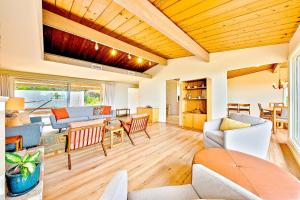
x=230, y=124
x=60, y=113
x=106, y=110
x=98, y=110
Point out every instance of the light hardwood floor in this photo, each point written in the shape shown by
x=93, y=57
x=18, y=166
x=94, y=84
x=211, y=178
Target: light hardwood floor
x=165, y=159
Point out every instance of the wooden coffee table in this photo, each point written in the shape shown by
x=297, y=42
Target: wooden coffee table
x=18, y=140
x=115, y=131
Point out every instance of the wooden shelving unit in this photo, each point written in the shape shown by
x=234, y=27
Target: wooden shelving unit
x=195, y=103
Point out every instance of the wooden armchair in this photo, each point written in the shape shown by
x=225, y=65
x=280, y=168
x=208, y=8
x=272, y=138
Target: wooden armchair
x=83, y=134
x=280, y=115
x=135, y=124
x=265, y=114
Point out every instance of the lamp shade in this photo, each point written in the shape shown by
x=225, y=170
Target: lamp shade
x=15, y=104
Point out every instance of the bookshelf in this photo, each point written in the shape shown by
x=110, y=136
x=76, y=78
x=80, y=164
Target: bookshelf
x=195, y=103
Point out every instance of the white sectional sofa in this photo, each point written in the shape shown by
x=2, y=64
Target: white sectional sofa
x=254, y=140
x=206, y=184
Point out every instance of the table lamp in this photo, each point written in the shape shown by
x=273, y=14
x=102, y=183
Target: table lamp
x=12, y=107
x=14, y=104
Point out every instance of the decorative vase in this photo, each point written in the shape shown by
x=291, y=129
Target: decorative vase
x=17, y=185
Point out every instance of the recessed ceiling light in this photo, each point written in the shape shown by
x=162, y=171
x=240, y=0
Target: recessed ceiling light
x=140, y=60
x=150, y=63
x=113, y=52
x=96, y=46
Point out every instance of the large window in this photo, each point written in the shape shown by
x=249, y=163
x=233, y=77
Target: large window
x=39, y=94
x=85, y=95
x=295, y=101
x=44, y=94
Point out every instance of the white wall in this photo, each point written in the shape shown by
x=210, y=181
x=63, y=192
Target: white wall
x=121, y=96
x=133, y=99
x=153, y=92
x=171, y=98
x=256, y=88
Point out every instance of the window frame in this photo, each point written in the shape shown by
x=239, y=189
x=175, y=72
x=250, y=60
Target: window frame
x=294, y=101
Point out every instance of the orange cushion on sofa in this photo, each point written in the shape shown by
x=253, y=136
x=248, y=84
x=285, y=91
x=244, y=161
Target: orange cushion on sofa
x=106, y=110
x=60, y=113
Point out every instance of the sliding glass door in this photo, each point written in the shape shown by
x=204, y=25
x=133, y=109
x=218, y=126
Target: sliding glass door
x=295, y=101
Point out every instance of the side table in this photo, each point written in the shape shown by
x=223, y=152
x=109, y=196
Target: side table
x=18, y=140
x=115, y=131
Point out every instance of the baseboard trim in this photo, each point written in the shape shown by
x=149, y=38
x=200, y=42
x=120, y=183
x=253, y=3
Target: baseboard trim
x=294, y=151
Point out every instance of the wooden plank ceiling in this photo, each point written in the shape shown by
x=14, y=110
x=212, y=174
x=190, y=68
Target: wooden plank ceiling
x=65, y=44
x=250, y=70
x=217, y=25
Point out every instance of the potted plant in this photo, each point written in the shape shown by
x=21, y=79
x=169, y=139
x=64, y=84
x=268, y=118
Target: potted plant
x=25, y=173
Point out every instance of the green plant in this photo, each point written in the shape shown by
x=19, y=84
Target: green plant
x=24, y=165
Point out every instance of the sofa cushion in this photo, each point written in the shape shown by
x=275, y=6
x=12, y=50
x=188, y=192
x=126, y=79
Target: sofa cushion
x=83, y=111
x=97, y=110
x=230, y=124
x=69, y=120
x=60, y=113
x=117, y=188
x=216, y=136
x=246, y=119
x=181, y=192
x=106, y=110
x=96, y=117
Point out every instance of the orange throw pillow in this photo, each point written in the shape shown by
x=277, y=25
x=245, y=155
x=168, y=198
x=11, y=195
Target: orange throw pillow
x=106, y=110
x=60, y=113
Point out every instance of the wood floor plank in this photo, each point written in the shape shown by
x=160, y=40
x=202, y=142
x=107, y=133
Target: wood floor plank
x=165, y=159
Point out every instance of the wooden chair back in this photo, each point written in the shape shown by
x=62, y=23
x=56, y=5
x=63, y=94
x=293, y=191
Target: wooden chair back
x=260, y=108
x=138, y=123
x=83, y=134
x=80, y=137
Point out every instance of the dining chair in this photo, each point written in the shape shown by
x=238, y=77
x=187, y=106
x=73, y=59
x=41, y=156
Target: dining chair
x=280, y=116
x=265, y=114
x=244, y=108
x=232, y=107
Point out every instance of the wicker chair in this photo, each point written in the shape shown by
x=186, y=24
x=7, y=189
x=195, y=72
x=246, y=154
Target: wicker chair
x=137, y=123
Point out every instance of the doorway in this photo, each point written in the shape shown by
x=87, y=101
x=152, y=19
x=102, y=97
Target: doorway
x=172, y=101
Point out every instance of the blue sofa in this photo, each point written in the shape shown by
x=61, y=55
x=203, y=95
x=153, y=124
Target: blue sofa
x=31, y=133
x=77, y=114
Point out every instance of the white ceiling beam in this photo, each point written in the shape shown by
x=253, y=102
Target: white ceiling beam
x=61, y=23
x=81, y=63
x=155, y=18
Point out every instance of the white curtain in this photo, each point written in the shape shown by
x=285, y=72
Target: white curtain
x=109, y=94
x=6, y=85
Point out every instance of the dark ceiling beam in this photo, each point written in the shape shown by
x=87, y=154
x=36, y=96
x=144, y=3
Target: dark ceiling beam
x=61, y=23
